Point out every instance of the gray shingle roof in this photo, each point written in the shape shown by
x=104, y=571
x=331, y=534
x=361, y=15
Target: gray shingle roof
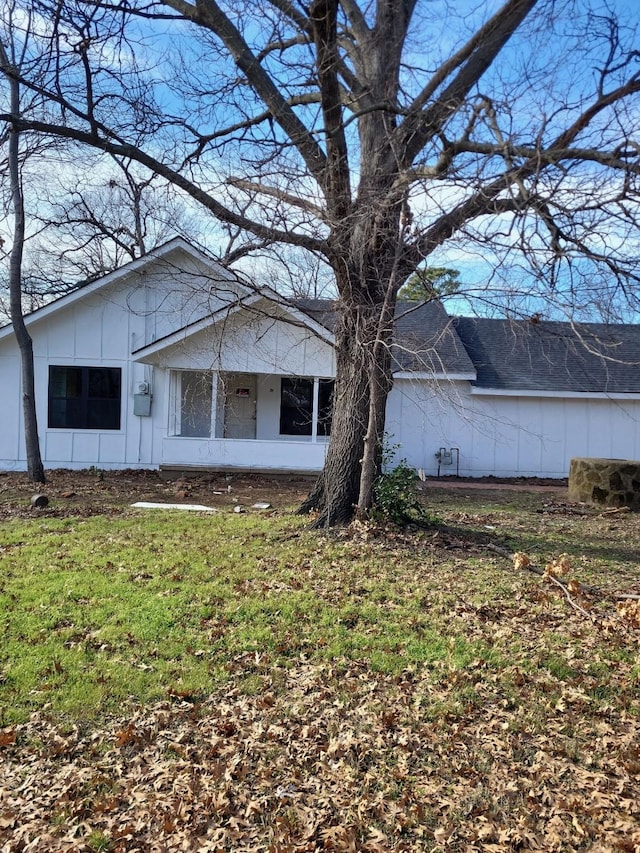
x=552, y=356
x=425, y=337
x=426, y=340
x=509, y=355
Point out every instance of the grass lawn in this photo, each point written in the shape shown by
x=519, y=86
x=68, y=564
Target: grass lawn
x=226, y=681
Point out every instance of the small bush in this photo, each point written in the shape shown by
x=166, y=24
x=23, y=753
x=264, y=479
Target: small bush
x=394, y=495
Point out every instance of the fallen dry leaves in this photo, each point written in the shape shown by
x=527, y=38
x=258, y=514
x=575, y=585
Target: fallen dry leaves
x=338, y=757
x=337, y=760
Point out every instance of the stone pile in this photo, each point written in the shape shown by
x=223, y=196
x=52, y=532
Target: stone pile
x=608, y=482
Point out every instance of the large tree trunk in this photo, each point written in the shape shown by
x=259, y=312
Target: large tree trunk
x=34, y=460
x=335, y=494
x=368, y=283
x=363, y=381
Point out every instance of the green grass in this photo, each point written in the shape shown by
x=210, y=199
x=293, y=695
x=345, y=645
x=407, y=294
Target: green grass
x=96, y=612
x=101, y=611
x=163, y=676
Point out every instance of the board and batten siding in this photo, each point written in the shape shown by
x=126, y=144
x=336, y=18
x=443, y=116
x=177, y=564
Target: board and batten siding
x=507, y=435
x=249, y=342
x=252, y=343
x=94, y=332
x=11, y=421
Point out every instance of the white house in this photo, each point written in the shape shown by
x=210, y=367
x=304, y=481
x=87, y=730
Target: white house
x=172, y=361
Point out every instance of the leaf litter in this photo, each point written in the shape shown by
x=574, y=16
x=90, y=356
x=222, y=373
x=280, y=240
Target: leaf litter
x=535, y=749
x=337, y=758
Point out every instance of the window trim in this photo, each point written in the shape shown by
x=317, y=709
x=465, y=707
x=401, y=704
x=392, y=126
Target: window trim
x=320, y=427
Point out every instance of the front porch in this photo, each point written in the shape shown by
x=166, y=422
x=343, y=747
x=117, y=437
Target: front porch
x=215, y=405
x=247, y=455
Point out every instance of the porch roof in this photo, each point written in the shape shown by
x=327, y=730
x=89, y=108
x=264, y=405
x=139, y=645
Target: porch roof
x=248, y=301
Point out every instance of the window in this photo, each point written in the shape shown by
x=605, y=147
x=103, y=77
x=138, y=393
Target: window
x=296, y=406
x=84, y=397
x=196, y=394
x=325, y=406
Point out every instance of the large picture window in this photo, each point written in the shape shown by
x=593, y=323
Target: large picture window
x=296, y=406
x=84, y=397
x=195, y=403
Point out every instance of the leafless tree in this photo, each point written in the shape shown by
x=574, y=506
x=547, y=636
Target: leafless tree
x=35, y=467
x=88, y=217
x=371, y=135
x=113, y=214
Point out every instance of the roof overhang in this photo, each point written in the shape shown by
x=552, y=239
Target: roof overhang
x=248, y=301
x=558, y=395
x=425, y=375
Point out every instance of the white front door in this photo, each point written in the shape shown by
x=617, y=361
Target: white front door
x=239, y=405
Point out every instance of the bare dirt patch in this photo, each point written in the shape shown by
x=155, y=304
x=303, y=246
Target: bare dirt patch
x=94, y=492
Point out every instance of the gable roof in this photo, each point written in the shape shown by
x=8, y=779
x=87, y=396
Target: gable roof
x=552, y=356
x=250, y=300
x=164, y=252
x=494, y=354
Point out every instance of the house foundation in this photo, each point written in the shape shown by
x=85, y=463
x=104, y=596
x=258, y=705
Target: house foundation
x=177, y=472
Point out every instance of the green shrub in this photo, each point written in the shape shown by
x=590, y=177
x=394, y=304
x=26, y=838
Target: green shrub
x=394, y=495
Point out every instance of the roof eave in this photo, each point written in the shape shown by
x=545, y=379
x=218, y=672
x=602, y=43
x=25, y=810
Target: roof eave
x=450, y=376
x=542, y=392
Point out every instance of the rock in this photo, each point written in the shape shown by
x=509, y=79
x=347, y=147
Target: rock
x=238, y=508
x=606, y=482
x=261, y=505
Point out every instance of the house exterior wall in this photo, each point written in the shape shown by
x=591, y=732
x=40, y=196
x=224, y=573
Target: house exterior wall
x=101, y=330
x=501, y=434
x=248, y=341
x=93, y=333
x=11, y=422
x=173, y=292
x=508, y=435
x=280, y=455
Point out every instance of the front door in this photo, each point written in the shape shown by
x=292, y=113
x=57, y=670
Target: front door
x=239, y=405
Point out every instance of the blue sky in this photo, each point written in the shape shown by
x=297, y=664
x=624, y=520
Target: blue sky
x=548, y=63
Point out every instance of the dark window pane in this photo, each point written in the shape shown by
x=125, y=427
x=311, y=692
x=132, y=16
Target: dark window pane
x=84, y=397
x=103, y=414
x=296, y=406
x=74, y=383
x=104, y=382
x=325, y=406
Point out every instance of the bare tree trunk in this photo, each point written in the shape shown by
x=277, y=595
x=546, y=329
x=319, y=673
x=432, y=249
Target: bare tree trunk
x=363, y=382
x=34, y=460
x=357, y=431
x=363, y=339
x=380, y=382
x=335, y=494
